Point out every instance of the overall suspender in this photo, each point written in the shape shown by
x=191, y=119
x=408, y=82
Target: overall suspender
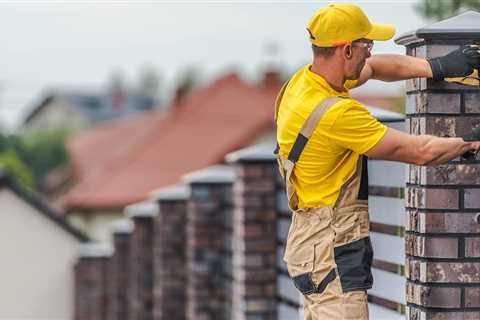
x=287, y=165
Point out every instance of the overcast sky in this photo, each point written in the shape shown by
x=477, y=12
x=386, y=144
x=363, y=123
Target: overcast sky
x=69, y=44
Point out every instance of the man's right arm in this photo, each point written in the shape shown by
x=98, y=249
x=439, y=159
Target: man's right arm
x=420, y=150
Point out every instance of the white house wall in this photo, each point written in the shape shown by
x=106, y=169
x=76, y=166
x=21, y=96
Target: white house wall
x=36, y=264
x=57, y=115
x=96, y=225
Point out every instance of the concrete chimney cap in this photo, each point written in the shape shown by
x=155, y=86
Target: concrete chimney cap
x=462, y=26
x=95, y=250
x=262, y=152
x=141, y=209
x=122, y=226
x=213, y=174
x=176, y=192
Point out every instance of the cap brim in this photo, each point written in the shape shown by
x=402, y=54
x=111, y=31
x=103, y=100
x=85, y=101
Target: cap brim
x=381, y=32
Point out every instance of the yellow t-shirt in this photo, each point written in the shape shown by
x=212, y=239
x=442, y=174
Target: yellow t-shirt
x=345, y=131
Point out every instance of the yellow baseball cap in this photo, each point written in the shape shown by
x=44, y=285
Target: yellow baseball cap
x=337, y=24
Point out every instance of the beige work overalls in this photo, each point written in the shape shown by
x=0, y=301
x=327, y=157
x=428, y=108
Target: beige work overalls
x=328, y=251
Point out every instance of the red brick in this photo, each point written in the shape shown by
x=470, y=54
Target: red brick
x=412, y=218
x=433, y=103
x=430, y=247
x=245, y=170
x=472, y=297
x=417, y=125
x=434, y=297
x=446, y=222
x=413, y=313
x=250, y=230
x=438, y=175
x=471, y=102
x=472, y=198
x=412, y=268
x=464, y=125
x=452, y=272
x=472, y=247
x=438, y=126
x=431, y=198
x=468, y=174
x=442, y=272
x=413, y=174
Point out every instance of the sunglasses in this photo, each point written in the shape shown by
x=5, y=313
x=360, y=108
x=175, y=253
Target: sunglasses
x=361, y=44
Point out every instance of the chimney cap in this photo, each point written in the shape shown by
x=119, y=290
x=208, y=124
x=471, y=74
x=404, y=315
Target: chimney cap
x=145, y=209
x=462, y=26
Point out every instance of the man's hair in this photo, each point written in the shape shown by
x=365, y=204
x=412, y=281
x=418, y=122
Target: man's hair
x=325, y=52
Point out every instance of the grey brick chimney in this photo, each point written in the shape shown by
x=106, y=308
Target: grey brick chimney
x=140, y=279
x=443, y=202
x=169, y=258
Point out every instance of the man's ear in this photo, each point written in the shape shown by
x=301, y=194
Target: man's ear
x=348, y=51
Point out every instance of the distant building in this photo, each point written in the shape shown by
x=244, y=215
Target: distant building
x=119, y=163
x=39, y=249
x=76, y=111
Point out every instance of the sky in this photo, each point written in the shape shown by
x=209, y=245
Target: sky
x=79, y=44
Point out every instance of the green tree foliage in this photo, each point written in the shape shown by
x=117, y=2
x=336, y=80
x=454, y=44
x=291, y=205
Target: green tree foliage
x=14, y=167
x=31, y=157
x=442, y=9
x=43, y=151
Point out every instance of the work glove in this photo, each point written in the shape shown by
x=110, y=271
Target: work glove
x=458, y=63
x=474, y=136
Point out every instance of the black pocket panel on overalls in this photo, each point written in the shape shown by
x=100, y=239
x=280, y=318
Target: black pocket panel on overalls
x=363, y=190
x=354, y=261
x=305, y=284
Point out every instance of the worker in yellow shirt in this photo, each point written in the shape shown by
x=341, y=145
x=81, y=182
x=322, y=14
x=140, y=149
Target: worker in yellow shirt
x=324, y=138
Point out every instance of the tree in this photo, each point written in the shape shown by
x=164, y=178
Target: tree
x=13, y=166
x=42, y=152
x=441, y=9
x=149, y=82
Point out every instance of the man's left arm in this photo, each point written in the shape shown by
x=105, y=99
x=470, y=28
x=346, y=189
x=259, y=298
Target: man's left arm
x=394, y=67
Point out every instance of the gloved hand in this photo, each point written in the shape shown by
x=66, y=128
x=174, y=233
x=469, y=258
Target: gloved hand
x=474, y=136
x=458, y=63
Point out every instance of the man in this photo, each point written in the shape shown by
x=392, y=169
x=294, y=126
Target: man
x=324, y=137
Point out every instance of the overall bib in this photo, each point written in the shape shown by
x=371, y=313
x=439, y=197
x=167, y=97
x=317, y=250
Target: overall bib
x=328, y=250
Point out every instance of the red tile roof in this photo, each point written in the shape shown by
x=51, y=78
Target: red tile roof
x=120, y=163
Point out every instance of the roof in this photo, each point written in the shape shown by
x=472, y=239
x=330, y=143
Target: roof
x=121, y=163
x=96, y=107
x=38, y=203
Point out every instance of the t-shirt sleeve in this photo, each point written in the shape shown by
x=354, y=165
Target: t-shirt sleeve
x=355, y=128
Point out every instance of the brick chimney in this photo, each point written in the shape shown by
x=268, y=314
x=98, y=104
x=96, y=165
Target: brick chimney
x=169, y=253
x=208, y=243
x=118, y=270
x=271, y=78
x=442, y=240
x=254, y=256
x=91, y=282
x=140, y=280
